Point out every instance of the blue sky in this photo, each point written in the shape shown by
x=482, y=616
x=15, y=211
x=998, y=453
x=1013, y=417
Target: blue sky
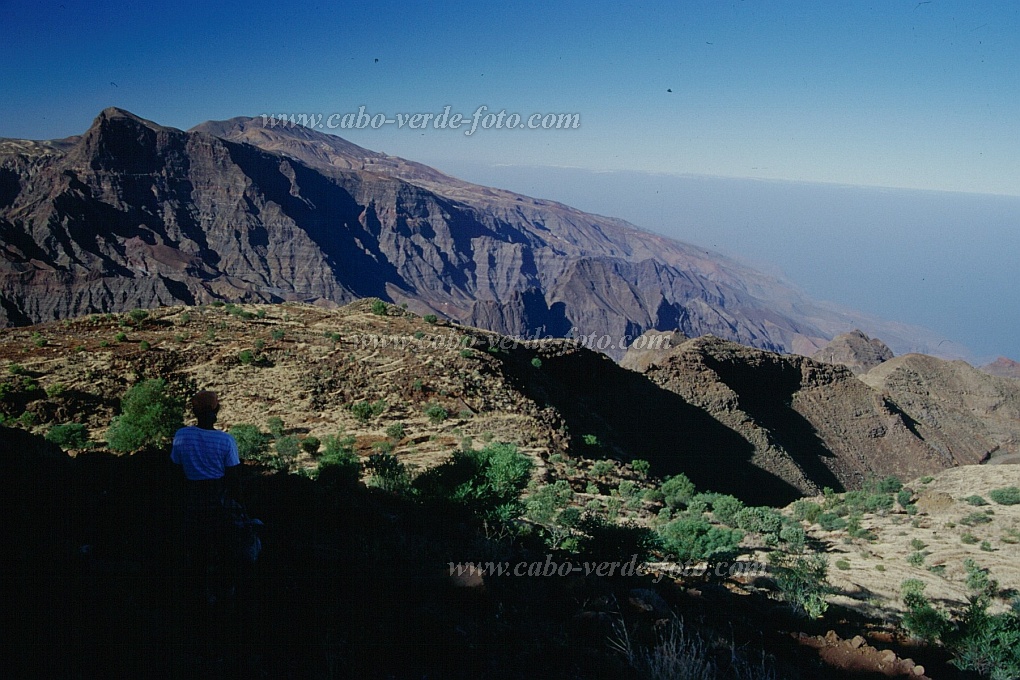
x=891, y=93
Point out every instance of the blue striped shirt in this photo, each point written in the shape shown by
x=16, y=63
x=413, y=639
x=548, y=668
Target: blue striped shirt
x=204, y=454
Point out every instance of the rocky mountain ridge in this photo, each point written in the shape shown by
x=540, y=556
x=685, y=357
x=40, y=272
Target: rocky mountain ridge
x=816, y=424
x=135, y=214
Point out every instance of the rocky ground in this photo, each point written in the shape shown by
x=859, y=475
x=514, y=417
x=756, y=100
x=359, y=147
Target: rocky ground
x=344, y=577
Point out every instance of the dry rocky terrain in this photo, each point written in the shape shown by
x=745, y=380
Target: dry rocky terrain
x=735, y=419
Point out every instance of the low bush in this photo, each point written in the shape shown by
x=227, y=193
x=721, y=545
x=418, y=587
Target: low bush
x=806, y=511
x=1009, y=495
x=338, y=465
x=69, y=436
x=760, y=520
x=395, y=431
x=149, y=416
x=802, y=581
x=689, y=538
x=252, y=443
x=677, y=490
x=436, y=413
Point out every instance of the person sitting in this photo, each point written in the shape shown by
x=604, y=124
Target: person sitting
x=209, y=460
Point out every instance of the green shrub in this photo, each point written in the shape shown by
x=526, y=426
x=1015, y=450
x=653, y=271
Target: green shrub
x=975, y=500
x=364, y=410
x=890, y=484
x=922, y=620
x=55, y=390
x=246, y=356
x=916, y=559
x=1009, y=495
x=252, y=443
x=918, y=544
x=379, y=307
x=339, y=466
x=689, y=538
x=430, y=318
x=759, y=520
x=831, y=522
x=603, y=468
x=287, y=448
x=842, y=564
x=120, y=337
x=793, y=536
x=699, y=504
x=310, y=445
x=395, y=431
x=590, y=440
x=144, y=346
x=536, y=362
x=978, y=580
x=605, y=541
x=802, y=581
x=988, y=644
x=806, y=511
x=546, y=500
x=976, y=518
x=725, y=508
x=278, y=334
x=275, y=425
x=968, y=538
x=654, y=495
x=488, y=481
x=138, y=315
x=569, y=517
x=678, y=490
x=69, y=436
x=436, y=413
x=150, y=416
x=640, y=466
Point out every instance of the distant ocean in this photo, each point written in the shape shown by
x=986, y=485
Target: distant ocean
x=946, y=261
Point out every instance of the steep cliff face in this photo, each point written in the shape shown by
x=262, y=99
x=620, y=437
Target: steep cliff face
x=809, y=423
x=134, y=214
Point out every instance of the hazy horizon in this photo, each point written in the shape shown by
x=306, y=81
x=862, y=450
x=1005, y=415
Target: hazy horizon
x=942, y=260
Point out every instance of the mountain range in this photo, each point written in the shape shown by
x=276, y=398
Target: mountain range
x=135, y=214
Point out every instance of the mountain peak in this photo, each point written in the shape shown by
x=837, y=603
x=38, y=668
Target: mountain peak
x=112, y=113
x=1003, y=367
x=855, y=350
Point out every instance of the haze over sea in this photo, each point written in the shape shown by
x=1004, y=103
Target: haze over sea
x=944, y=260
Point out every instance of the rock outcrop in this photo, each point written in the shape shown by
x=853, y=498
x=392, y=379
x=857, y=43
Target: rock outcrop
x=855, y=350
x=962, y=411
x=815, y=424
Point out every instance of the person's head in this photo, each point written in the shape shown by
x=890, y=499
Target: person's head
x=205, y=406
